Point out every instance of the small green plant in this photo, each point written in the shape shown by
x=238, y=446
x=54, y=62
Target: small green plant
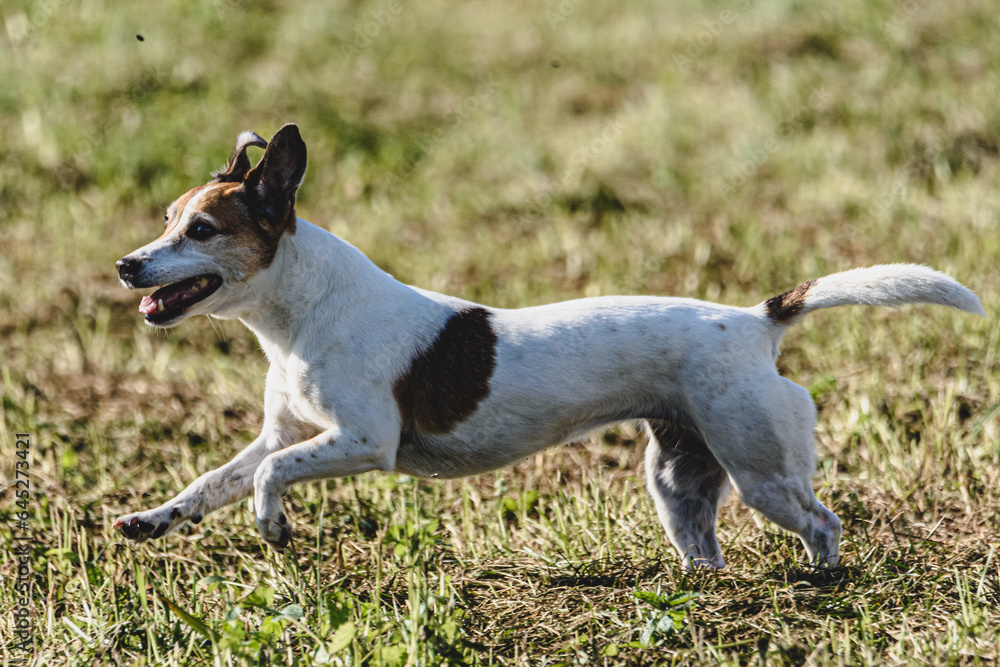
x=670, y=614
x=524, y=505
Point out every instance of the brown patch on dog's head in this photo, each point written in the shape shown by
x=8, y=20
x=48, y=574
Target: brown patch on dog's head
x=248, y=209
x=785, y=307
x=228, y=222
x=446, y=382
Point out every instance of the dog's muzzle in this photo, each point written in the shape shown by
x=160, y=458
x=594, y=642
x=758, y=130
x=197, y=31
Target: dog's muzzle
x=128, y=269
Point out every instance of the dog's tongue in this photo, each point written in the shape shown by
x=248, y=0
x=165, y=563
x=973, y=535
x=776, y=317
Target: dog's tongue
x=176, y=295
x=167, y=296
x=148, y=305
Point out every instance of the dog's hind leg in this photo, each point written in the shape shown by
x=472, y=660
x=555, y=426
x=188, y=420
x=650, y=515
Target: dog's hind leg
x=687, y=484
x=764, y=440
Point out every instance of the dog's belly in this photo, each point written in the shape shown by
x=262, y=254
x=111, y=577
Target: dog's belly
x=496, y=439
x=445, y=457
x=424, y=455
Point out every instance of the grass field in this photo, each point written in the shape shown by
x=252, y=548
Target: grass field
x=511, y=153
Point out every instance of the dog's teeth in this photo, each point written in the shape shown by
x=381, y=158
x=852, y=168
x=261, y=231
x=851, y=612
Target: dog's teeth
x=202, y=282
x=159, y=306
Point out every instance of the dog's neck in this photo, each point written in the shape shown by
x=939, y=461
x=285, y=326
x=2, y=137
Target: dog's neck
x=312, y=271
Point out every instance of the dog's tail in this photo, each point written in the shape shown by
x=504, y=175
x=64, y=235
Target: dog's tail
x=886, y=285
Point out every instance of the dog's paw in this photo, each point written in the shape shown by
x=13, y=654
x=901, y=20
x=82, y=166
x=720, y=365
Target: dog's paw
x=143, y=526
x=276, y=533
x=828, y=562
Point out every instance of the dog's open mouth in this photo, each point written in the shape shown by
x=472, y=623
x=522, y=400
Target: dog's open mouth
x=171, y=301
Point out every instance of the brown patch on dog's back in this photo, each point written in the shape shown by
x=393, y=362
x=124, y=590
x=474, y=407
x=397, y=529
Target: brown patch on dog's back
x=787, y=306
x=446, y=382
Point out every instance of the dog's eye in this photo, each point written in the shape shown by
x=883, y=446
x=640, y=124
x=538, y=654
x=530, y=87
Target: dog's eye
x=166, y=220
x=201, y=231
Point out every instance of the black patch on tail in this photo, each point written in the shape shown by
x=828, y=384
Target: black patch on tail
x=446, y=382
x=787, y=306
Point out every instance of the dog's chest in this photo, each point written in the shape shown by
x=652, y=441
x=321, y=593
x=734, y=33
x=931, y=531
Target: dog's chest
x=302, y=385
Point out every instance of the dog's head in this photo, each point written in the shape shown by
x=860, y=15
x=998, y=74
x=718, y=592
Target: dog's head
x=219, y=236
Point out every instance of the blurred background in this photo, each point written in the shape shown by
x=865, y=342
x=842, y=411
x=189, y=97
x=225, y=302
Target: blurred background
x=551, y=149
x=513, y=153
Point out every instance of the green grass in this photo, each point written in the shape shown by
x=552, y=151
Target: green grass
x=512, y=153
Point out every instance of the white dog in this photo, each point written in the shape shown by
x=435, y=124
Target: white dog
x=370, y=374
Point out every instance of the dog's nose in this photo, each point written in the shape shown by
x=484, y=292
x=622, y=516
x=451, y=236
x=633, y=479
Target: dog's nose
x=128, y=267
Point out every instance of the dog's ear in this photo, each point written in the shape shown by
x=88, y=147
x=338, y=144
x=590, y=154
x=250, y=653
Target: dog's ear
x=239, y=164
x=279, y=173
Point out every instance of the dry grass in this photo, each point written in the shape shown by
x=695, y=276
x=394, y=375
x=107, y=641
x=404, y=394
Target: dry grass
x=513, y=154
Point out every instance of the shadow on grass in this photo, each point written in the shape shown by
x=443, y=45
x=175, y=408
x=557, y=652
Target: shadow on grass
x=608, y=573
x=821, y=578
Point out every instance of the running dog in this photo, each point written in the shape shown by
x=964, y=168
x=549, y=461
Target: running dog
x=370, y=374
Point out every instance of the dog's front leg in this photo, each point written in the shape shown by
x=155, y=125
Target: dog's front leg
x=213, y=490
x=334, y=453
